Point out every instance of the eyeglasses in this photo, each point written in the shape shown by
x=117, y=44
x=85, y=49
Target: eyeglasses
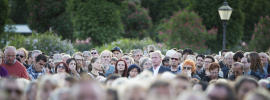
x=147, y=63
x=19, y=55
x=9, y=91
x=78, y=59
x=207, y=62
x=176, y=59
x=93, y=53
x=188, y=68
x=63, y=67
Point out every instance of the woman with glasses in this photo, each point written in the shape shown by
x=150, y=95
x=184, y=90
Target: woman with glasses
x=62, y=67
x=3, y=71
x=189, y=69
x=145, y=63
x=213, y=69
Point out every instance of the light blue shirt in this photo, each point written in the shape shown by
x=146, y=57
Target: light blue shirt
x=109, y=71
x=266, y=66
x=262, y=75
x=248, y=73
x=179, y=71
x=13, y=63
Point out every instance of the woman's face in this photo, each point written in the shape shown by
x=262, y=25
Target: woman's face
x=61, y=68
x=187, y=69
x=244, y=89
x=121, y=66
x=72, y=65
x=47, y=70
x=147, y=65
x=133, y=73
x=113, y=63
x=214, y=73
x=96, y=65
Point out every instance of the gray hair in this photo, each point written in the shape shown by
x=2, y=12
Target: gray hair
x=87, y=52
x=35, y=51
x=238, y=63
x=56, y=94
x=143, y=60
x=10, y=47
x=156, y=52
x=228, y=53
x=136, y=51
x=66, y=55
x=29, y=87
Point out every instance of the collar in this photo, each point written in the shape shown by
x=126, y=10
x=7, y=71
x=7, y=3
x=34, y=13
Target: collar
x=156, y=68
x=11, y=64
x=266, y=65
x=249, y=72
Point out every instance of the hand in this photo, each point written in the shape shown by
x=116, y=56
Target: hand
x=74, y=71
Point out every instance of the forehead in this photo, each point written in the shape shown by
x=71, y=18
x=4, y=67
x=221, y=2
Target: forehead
x=121, y=62
x=199, y=58
x=78, y=57
x=208, y=59
x=93, y=50
x=72, y=61
x=243, y=59
x=61, y=64
x=106, y=54
x=263, y=54
x=175, y=56
x=155, y=55
x=139, y=52
x=237, y=66
x=116, y=51
x=85, y=54
x=20, y=52
x=230, y=56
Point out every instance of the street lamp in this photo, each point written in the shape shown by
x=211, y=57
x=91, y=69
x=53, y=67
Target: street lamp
x=225, y=12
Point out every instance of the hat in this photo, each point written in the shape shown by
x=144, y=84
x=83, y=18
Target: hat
x=170, y=52
x=167, y=58
x=132, y=67
x=57, y=58
x=116, y=49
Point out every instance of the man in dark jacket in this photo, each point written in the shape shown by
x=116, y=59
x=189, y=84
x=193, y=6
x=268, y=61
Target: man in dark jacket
x=246, y=62
x=156, y=60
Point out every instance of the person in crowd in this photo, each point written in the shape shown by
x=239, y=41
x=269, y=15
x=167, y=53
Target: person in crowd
x=189, y=69
x=200, y=86
x=29, y=59
x=13, y=67
x=243, y=85
x=246, y=62
x=181, y=83
x=263, y=83
x=238, y=56
x=52, y=64
x=134, y=90
x=156, y=60
x=238, y=70
x=133, y=71
x=60, y=94
x=264, y=59
x=258, y=94
x=46, y=85
x=217, y=57
x=94, y=66
x=137, y=55
x=31, y=91
x=86, y=55
x=166, y=62
x=35, y=53
x=220, y=91
x=11, y=89
x=72, y=64
x=199, y=63
x=187, y=52
x=111, y=78
x=106, y=57
x=174, y=60
x=205, y=71
x=151, y=48
x=256, y=65
x=113, y=61
x=161, y=90
x=128, y=60
x=189, y=95
x=62, y=67
x=145, y=63
x=121, y=68
x=47, y=68
x=79, y=59
x=213, y=69
x=101, y=71
x=222, y=58
x=94, y=53
x=65, y=57
x=229, y=61
x=37, y=69
x=3, y=71
x=116, y=52
x=23, y=55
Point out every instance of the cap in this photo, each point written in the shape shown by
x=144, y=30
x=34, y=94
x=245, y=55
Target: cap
x=170, y=52
x=116, y=49
x=132, y=67
x=57, y=58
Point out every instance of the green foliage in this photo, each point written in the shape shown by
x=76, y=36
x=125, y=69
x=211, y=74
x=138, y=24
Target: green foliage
x=185, y=30
x=47, y=42
x=4, y=10
x=207, y=10
x=130, y=44
x=50, y=13
x=261, y=34
x=136, y=20
x=98, y=19
x=18, y=13
x=83, y=47
x=253, y=10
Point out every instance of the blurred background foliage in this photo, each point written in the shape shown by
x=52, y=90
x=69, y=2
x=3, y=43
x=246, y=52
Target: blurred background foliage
x=105, y=21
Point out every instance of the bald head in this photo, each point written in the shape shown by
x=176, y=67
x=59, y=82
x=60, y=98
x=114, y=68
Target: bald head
x=10, y=49
x=10, y=55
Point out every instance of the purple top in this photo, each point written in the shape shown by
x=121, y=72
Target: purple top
x=3, y=72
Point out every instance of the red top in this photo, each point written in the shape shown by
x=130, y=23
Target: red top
x=17, y=69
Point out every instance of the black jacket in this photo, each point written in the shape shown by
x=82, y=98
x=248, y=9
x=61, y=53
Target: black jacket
x=26, y=66
x=162, y=69
x=202, y=74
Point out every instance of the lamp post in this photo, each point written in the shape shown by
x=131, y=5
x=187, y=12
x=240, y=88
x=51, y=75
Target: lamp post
x=225, y=12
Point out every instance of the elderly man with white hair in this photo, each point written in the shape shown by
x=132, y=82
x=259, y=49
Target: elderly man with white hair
x=66, y=57
x=156, y=57
x=229, y=61
x=264, y=58
x=14, y=67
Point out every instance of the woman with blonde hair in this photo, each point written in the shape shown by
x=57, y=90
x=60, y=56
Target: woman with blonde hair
x=189, y=69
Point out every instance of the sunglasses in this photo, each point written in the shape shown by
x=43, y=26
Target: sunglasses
x=188, y=68
x=176, y=59
x=93, y=53
x=19, y=55
x=9, y=91
x=63, y=67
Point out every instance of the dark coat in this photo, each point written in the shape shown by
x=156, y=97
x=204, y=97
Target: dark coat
x=26, y=66
x=162, y=69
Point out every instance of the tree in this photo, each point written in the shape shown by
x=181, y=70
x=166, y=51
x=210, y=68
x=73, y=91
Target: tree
x=136, y=20
x=207, y=10
x=46, y=14
x=18, y=11
x=98, y=19
x=261, y=35
x=4, y=10
x=185, y=30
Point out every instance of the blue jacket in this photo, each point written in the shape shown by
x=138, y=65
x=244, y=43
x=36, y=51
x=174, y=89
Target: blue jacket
x=162, y=69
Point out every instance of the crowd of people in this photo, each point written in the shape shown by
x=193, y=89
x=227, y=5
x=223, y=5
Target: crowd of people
x=139, y=75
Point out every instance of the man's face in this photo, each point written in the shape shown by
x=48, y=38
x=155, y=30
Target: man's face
x=181, y=85
x=13, y=91
x=51, y=63
x=216, y=93
x=175, y=60
x=117, y=54
x=199, y=61
x=263, y=58
x=138, y=56
x=94, y=53
x=156, y=60
x=78, y=58
x=21, y=55
x=207, y=63
x=35, y=56
x=237, y=70
x=245, y=63
x=10, y=57
x=106, y=58
x=86, y=57
x=229, y=60
x=223, y=55
x=39, y=65
x=128, y=62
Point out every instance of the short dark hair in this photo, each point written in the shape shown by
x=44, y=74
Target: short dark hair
x=229, y=90
x=41, y=57
x=210, y=57
x=225, y=50
x=188, y=50
x=200, y=55
x=237, y=55
x=29, y=54
x=69, y=60
x=112, y=77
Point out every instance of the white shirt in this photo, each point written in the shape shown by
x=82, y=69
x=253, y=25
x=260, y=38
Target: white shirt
x=156, y=71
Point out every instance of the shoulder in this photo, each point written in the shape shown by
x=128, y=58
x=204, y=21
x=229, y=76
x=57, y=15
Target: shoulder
x=196, y=76
x=231, y=77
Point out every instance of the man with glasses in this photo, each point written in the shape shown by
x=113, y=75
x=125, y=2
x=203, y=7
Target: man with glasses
x=79, y=59
x=207, y=61
x=238, y=70
x=94, y=53
x=246, y=62
x=37, y=69
x=14, y=67
x=86, y=55
x=11, y=90
x=174, y=60
x=137, y=55
x=23, y=54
